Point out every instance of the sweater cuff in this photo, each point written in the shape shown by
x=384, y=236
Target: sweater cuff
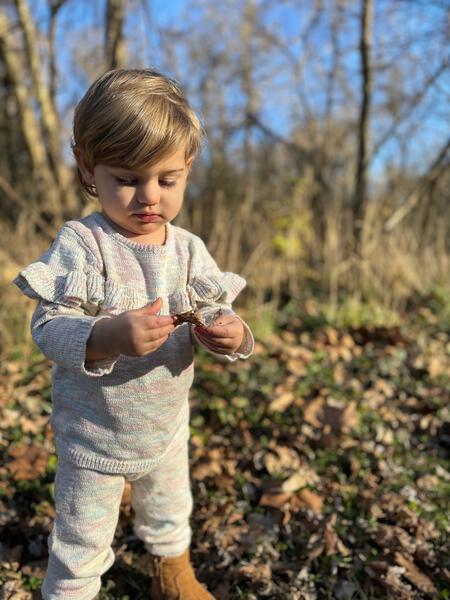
x=248, y=343
x=71, y=353
x=99, y=367
x=244, y=351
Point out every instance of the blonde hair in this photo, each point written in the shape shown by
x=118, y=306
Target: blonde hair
x=131, y=118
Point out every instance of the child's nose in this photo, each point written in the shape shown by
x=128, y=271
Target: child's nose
x=149, y=193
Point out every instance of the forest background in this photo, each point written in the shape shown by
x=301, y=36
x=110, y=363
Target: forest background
x=325, y=183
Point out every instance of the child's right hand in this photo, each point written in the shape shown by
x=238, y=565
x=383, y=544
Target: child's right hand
x=132, y=333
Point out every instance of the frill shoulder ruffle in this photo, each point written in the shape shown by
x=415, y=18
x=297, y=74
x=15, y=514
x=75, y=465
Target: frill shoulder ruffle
x=203, y=290
x=87, y=288
x=77, y=288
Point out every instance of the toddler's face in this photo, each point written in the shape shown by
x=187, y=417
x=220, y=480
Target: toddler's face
x=141, y=202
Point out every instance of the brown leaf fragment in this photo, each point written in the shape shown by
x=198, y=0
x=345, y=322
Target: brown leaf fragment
x=11, y=591
x=436, y=366
x=275, y=500
x=339, y=374
x=310, y=500
x=33, y=425
x=30, y=462
x=297, y=367
x=315, y=545
x=414, y=575
x=302, y=477
x=282, y=401
x=256, y=572
x=395, y=538
x=313, y=411
x=330, y=537
x=396, y=587
x=200, y=471
x=384, y=387
x=332, y=335
x=284, y=459
x=36, y=568
x=315, y=552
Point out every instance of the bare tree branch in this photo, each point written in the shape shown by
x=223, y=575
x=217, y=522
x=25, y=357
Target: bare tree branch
x=406, y=109
x=413, y=197
x=11, y=193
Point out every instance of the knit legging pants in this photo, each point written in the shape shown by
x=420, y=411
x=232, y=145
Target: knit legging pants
x=87, y=510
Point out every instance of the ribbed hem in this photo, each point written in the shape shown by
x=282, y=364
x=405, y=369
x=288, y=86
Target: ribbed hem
x=169, y=550
x=103, y=464
x=108, y=465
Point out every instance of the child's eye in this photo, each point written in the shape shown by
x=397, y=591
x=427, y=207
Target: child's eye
x=126, y=182
x=167, y=182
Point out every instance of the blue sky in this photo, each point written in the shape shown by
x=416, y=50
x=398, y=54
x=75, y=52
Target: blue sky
x=413, y=23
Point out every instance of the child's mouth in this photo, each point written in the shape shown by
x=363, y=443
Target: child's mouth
x=148, y=218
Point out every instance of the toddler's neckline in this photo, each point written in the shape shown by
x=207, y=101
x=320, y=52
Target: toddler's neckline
x=124, y=241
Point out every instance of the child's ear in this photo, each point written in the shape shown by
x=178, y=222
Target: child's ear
x=189, y=162
x=86, y=173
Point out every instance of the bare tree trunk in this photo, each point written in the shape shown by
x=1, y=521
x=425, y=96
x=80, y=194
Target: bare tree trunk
x=248, y=86
x=49, y=116
x=114, y=39
x=55, y=6
x=30, y=128
x=360, y=193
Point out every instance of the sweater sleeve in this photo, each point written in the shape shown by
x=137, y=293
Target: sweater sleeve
x=211, y=290
x=69, y=287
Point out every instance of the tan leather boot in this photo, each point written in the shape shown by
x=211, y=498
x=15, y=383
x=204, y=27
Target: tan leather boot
x=174, y=579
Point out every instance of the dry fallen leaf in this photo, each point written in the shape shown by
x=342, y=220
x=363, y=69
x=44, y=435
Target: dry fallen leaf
x=274, y=500
x=297, y=367
x=30, y=462
x=282, y=401
x=284, y=459
x=257, y=572
x=414, y=575
x=398, y=588
x=301, y=478
x=311, y=500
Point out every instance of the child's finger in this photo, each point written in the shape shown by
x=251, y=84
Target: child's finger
x=228, y=342
x=160, y=332
x=217, y=331
x=156, y=322
x=221, y=346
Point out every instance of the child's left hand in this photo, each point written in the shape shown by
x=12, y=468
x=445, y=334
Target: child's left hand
x=224, y=336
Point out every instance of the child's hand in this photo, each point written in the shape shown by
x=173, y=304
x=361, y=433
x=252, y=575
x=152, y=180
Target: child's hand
x=224, y=336
x=140, y=332
x=132, y=333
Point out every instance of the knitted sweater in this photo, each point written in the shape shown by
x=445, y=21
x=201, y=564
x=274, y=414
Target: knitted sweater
x=120, y=415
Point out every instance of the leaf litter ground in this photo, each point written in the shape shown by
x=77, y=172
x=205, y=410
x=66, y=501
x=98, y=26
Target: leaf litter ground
x=320, y=469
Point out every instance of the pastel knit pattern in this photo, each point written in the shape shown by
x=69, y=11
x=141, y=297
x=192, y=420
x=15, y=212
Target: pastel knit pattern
x=119, y=416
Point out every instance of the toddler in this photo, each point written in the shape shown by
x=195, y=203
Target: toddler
x=109, y=289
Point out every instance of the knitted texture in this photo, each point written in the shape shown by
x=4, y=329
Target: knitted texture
x=119, y=416
x=87, y=510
